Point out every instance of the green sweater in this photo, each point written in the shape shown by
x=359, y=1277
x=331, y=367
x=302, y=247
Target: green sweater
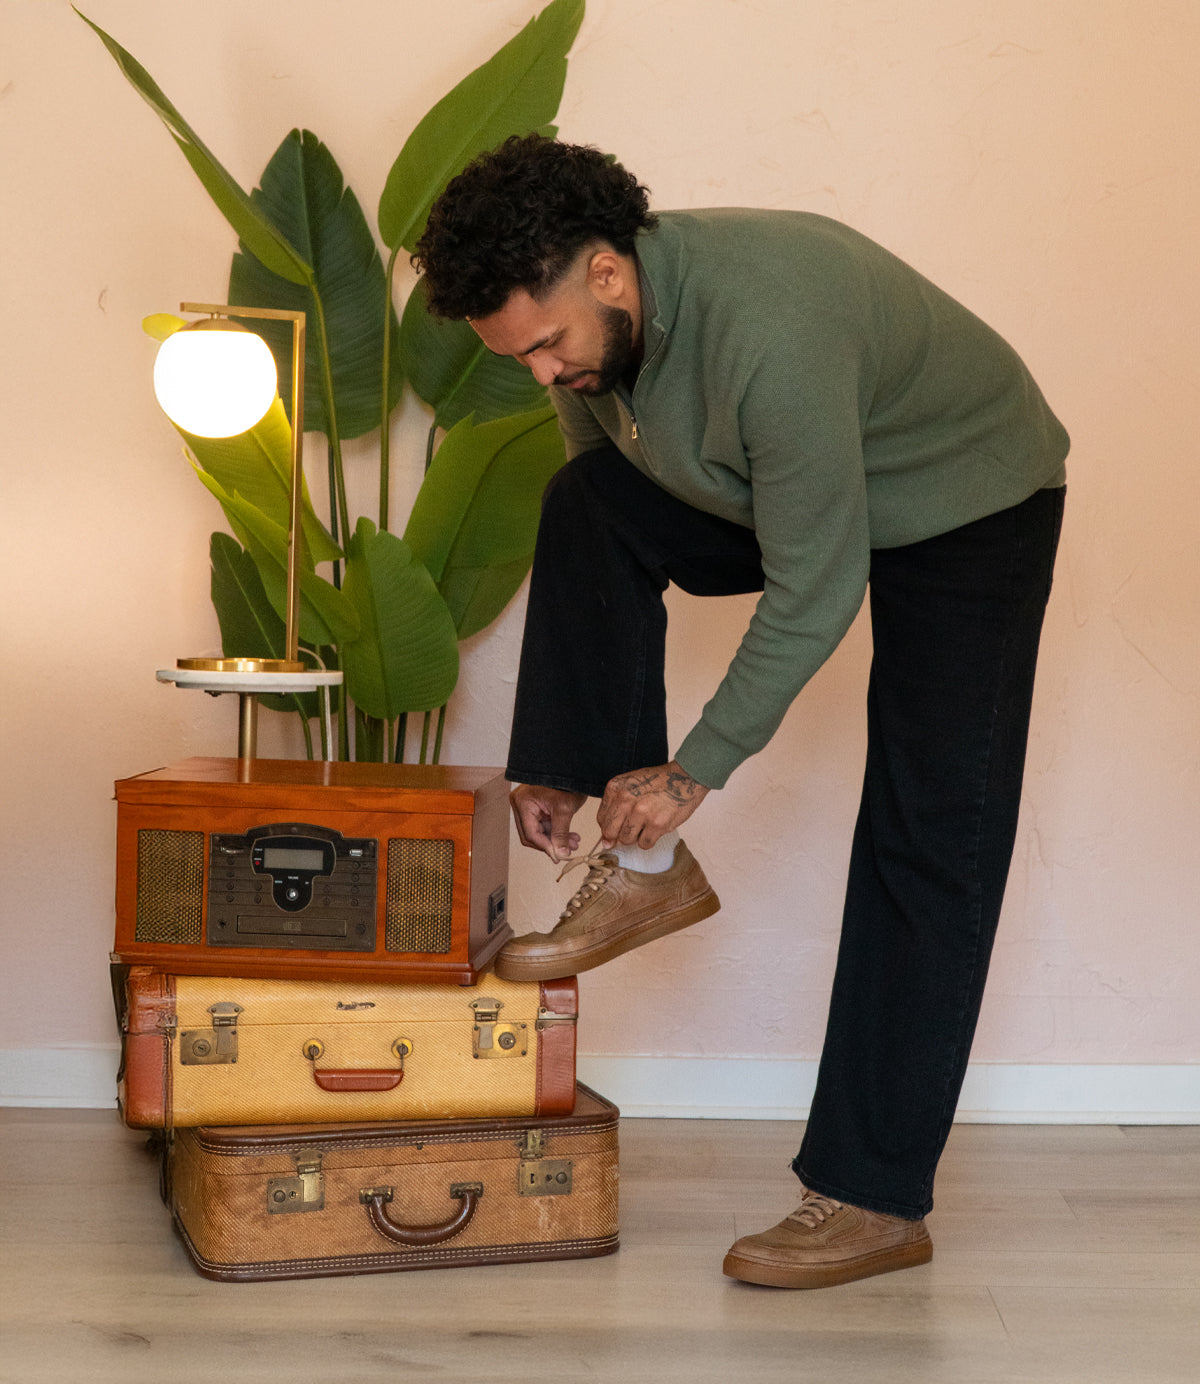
x=800, y=380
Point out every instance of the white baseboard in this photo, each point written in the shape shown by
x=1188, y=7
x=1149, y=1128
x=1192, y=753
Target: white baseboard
x=79, y=1077
x=726, y=1088
x=767, y=1088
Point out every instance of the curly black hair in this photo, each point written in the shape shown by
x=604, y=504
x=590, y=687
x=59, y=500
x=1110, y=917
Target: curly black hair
x=518, y=216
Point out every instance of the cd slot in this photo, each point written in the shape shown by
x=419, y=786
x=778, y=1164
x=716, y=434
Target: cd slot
x=293, y=924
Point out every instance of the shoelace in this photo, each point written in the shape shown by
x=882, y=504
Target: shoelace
x=600, y=866
x=814, y=1210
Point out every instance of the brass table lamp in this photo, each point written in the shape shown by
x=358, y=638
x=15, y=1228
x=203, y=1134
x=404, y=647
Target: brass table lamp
x=214, y=378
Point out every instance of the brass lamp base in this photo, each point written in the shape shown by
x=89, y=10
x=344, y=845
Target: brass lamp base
x=242, y=665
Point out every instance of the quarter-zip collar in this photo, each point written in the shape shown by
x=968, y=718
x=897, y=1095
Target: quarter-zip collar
x=657, y=316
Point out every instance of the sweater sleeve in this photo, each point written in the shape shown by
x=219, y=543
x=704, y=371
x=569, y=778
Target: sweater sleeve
x=801, y=431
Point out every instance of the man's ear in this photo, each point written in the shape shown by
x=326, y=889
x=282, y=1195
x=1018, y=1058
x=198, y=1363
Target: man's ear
x=609, y=276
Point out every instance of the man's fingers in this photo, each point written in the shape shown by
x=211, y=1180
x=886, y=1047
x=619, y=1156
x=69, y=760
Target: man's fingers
x=543, y=817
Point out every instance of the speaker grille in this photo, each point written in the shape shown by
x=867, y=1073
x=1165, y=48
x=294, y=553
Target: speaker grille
x=170, y=892
x=420, y=895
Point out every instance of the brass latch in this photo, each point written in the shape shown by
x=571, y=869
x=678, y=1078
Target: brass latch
x=549, y=1177
x=203, y=1047
x=538, y=1176
x=491, y=1038
x=533, y=1141
x=304, y=1192
x=546, y=1017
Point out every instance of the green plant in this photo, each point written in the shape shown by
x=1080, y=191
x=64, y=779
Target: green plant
x=394, y=607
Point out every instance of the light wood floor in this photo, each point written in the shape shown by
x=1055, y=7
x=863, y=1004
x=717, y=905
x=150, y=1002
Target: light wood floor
x=1061, y=1254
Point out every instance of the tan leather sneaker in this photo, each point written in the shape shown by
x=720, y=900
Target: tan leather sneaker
x=613, y=911
x=824, y=1242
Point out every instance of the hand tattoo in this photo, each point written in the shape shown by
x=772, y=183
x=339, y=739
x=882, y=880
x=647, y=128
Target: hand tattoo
x=680, y=787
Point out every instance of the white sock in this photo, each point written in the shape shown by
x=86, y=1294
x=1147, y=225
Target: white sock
x=660, y=856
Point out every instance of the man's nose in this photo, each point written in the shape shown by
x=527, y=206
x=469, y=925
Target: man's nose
x=545, y=367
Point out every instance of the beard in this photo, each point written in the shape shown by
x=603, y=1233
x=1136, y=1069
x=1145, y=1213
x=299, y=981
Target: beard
x=618, y=356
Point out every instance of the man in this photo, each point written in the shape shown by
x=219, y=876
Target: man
x=769, y=401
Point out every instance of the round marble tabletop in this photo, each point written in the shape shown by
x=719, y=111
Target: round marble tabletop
x=206, y=680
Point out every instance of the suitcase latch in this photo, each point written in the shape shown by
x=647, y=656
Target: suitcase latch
x=304, y=1192
x=204, y=1047
x=491, y=1038
x=538, y=1176
x=546, y=1177
x=546, y=1017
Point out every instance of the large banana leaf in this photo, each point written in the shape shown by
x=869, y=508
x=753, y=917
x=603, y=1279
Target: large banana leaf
x=515, y=91
x=407, y=656
x=249, y=627
x=452, y=370
x=326, y=616
x=475, y=518
x=303, y=195
x=257, y=465
x=251, y=225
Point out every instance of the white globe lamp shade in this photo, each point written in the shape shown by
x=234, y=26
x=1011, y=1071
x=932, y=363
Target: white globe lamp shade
x=215, y=378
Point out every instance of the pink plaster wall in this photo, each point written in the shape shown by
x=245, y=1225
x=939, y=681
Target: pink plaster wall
x=1040, y=161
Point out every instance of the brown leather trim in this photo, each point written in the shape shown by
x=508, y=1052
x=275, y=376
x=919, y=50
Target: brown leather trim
x=391, y=1263
x=555, y=1091
x=150, y=1000
x=591, y=1111
x=561, y=996
x=144, y=1093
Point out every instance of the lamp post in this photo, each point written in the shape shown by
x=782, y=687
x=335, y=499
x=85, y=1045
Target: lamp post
x=215, y=378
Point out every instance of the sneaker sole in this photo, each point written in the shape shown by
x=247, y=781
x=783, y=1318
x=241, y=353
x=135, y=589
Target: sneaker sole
x=827, y=1275
x=555, y=968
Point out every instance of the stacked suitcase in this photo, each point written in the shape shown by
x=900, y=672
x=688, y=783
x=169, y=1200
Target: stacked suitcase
x=340, y=1083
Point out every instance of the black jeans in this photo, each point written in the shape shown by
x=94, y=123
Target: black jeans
x=955, y=624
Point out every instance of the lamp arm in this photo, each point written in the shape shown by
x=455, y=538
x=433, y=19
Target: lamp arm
x=295, y=530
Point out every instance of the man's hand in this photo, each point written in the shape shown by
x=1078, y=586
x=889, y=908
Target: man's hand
x=543, y=817
x=639, y=807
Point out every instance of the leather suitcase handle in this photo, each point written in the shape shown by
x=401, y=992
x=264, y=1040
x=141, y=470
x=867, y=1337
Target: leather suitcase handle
x=375, y=1200
x=339, y=1079
x=358, y=1078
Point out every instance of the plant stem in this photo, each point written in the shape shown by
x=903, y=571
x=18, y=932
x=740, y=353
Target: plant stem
x=333, y=515
x=441, y=726
x=424, y=737
x=337, y=473
x=384, y=401
x=401, y=736
x=308, y=740
x=343, y=729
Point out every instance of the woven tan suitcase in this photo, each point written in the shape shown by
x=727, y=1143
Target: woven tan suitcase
x=310, y=1201
x=214, y=1050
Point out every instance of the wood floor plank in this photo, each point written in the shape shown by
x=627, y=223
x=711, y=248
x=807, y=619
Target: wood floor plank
x=1063, y=1256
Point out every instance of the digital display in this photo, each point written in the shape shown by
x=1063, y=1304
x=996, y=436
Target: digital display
x=285, y=858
